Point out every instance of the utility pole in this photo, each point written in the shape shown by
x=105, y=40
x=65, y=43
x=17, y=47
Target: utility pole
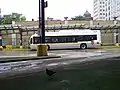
x=42, y=6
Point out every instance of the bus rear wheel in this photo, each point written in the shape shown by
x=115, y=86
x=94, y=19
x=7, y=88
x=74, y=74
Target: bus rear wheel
x=83, y=46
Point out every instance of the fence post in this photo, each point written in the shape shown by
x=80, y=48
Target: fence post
x=116, y=38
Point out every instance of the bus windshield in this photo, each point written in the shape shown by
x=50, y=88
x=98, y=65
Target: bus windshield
x=36, y=40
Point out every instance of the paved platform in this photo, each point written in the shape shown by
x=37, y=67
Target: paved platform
x=13, y=56
x=5, y=59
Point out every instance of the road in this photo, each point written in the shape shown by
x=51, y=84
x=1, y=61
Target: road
x=98, y=73
x=67, y=57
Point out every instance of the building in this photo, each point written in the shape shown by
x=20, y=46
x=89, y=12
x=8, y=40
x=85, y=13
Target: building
x=106, y=9
x=99, y=10
x=87, y=16
x=118, y=9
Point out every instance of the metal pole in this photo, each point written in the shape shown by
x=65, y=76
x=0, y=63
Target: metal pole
x=39, y=30
x=0, y=31
x=116, y=38
x=42, y=24
x=20, y=37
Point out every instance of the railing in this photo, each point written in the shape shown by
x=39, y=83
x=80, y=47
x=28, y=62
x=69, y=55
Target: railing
x=10, y=29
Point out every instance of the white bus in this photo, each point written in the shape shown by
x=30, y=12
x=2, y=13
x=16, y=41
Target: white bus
x=65, y=39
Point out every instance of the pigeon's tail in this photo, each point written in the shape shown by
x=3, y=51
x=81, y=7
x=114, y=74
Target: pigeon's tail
x=50, y=72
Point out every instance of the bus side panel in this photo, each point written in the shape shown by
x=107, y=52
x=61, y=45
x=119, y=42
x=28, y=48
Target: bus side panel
x=33, y=46
x=64, y=45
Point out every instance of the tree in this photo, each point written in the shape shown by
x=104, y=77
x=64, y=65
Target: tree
x=65, y=18
x=78, y=18
x=7, y=19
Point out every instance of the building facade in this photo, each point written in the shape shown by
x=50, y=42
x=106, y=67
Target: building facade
x=106, y=9
x=99, y=10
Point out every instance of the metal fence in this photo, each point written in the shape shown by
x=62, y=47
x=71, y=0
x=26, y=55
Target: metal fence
x=15, y=42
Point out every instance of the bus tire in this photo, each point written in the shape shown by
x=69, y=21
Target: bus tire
x=83, y=46
x=48, y=47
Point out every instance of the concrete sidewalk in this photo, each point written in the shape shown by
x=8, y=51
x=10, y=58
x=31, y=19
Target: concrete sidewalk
x=5, y=59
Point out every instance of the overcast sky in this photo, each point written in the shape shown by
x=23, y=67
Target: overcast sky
x=57, y=9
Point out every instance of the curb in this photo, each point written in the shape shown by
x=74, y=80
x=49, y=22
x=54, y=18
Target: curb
x=16, y=59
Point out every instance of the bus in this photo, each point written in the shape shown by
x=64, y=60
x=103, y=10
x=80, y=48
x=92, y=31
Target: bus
x=66, y=39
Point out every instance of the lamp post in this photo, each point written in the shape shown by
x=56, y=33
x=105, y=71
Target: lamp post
x=42, y=48
x=41, y=31
x=0, y=31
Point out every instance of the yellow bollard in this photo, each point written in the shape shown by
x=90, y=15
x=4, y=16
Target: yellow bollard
x=117, y=44
x=9, y=47
x=21, y=47
x=42, y=50
x=1, y=48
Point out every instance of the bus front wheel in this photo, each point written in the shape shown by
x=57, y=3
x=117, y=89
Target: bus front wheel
x=83, y=46
x=48, y=47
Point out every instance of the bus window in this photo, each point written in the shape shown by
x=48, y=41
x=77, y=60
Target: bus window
x=74, y=39
x=86, y=37
x=48, y=39
x=68, y=39
x=54, y=39
x=94, y=37
x=62, y=39
x=80, y=38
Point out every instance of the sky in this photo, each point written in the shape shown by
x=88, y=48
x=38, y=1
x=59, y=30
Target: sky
x=57, y=9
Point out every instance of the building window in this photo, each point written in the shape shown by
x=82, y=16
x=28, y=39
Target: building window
x=106, y=9
x=103, y=13
x=109, y=8
x=100, y=9
x=100, y=13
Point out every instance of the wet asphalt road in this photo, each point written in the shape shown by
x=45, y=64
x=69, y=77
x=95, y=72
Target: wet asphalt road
x=67, y=57
x=72, y=71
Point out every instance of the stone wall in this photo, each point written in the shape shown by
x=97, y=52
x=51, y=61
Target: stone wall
x=35, y=23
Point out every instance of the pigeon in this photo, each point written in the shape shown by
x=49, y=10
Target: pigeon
x=50, y=72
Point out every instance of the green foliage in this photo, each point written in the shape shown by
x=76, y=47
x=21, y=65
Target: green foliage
x=81, y=18
x=78, y=18
x=7, y=19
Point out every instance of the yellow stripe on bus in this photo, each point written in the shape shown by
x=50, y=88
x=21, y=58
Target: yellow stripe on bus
x=66, y=43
